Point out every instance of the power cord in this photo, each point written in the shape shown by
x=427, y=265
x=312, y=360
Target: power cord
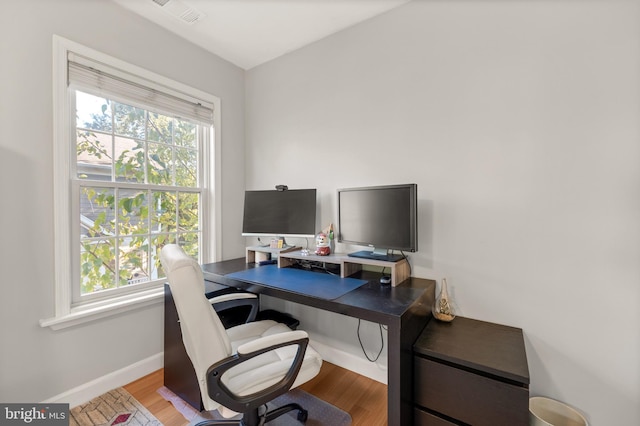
x=362, y=346
x=408, y=263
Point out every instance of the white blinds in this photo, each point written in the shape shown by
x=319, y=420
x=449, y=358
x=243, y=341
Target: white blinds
x=112, y=83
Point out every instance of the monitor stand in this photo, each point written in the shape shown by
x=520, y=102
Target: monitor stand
x=377, y=254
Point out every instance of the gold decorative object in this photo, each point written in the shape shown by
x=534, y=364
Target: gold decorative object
x=442, y=309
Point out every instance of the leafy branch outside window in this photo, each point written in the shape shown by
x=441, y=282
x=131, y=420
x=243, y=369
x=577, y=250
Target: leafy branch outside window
x=151, y=161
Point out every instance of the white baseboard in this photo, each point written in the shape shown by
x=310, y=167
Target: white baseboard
x=88, y=391
x=351, y=362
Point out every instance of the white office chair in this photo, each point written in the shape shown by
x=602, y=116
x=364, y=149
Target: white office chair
x=244, y=367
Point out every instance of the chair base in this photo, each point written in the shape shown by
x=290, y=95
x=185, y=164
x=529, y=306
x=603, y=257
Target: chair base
x=277, y=412
x=253, y=418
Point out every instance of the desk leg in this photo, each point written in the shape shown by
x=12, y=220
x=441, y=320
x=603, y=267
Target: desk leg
x=402, y=334
x=400, y=376
x=394, y=378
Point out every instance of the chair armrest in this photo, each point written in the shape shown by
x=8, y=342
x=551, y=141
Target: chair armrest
x=233, y=300
x=219, y=392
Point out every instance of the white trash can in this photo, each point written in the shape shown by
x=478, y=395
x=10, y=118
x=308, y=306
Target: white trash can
x=549, y=412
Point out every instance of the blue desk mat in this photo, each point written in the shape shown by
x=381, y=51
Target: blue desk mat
x=316, y=284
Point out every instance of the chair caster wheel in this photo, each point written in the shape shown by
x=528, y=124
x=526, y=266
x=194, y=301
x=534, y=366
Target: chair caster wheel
x=303, y=415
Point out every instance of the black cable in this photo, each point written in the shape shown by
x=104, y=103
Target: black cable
x=331, y=272
x=362, y=346
x=408, y=263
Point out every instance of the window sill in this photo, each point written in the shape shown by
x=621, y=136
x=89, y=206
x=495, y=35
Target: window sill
x=87, y=313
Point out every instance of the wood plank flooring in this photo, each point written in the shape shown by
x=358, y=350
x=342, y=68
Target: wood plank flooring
x=364, y=399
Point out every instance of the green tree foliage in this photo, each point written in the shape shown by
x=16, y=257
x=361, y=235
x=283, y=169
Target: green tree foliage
x=124, y=228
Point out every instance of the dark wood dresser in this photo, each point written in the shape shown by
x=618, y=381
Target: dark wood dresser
x=470, y=372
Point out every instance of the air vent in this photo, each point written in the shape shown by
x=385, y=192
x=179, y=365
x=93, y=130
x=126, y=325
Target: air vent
x=191, y=16
x=180, y=10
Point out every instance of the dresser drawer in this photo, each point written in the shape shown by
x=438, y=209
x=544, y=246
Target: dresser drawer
x=467, y=396
x=422, y=418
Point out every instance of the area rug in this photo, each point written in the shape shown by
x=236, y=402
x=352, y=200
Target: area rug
x=115, y=408
x=321, y=413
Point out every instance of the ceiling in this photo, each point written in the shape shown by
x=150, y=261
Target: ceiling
x=248, y=33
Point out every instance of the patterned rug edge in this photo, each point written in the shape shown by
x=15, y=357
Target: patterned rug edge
x=114, y=408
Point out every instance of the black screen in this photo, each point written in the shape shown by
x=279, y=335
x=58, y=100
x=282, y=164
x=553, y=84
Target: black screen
x=382, y=217
x=291, y=212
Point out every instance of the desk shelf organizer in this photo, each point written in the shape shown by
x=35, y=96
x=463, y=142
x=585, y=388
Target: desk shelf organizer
x=399, y=271
x=257, y=254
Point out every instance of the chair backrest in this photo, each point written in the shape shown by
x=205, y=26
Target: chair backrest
x=203, y=334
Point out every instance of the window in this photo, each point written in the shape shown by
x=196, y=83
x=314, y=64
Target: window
x=134, y=161
x=138, y=186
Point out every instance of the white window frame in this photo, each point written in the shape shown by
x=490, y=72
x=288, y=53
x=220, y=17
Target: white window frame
x=65, y=313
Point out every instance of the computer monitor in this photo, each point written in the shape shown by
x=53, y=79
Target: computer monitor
x=382, y=217
x=280, y=213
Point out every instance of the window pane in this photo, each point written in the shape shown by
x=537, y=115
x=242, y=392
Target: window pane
x=129, y=163
x=157, y=242
x=160, y=128
x=186, y=167
x=188, y=211
x=93, y=112
x=93, y=155
x=133, y=212
x=185, y=134
x=97, y=265
x=129, y=121
x=189, y=241
x=160, y=164
x=97, y=213
x=163, y=216
x=133, y=260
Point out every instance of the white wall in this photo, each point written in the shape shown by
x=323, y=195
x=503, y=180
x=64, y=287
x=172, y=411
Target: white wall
x=38, y=363
x=519, y=121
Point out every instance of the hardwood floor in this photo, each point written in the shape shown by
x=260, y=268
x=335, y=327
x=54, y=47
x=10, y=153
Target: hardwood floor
x=145, y=391
x=364, y=399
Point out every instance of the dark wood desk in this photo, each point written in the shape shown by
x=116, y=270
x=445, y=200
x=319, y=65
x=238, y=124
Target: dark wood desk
x=404, y=309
